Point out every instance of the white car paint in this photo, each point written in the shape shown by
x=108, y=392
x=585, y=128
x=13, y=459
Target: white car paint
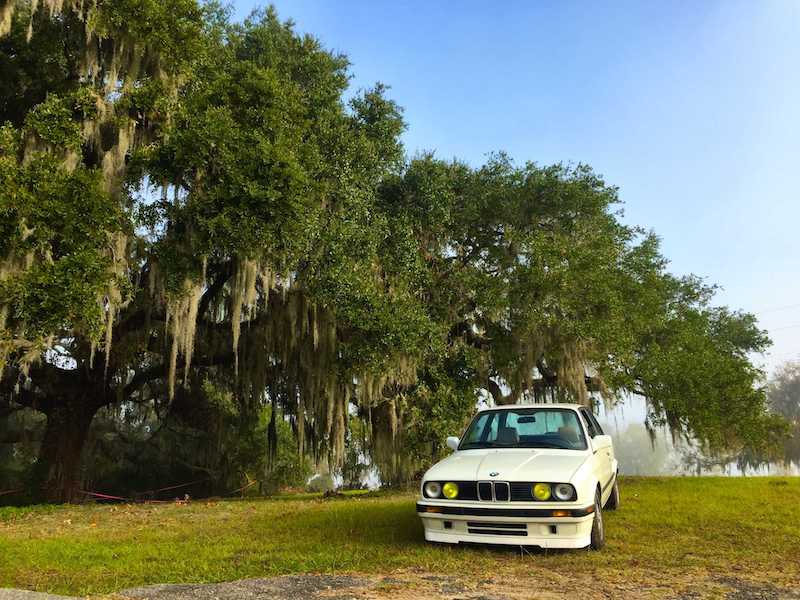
x=530, y=522
x=516, y=464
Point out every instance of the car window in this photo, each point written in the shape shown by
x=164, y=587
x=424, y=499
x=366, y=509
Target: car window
x=488, y=429
x=494, y=424
x=525, y=428
x=474, y=432
x=535, y=427
x=595, y=422
x=587, y=420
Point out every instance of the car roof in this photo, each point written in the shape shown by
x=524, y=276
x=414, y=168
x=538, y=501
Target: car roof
x=533, y=405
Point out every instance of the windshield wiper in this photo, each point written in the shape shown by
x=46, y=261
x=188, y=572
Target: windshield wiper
x=472, y=445
x=548, y=445
x=477, y=445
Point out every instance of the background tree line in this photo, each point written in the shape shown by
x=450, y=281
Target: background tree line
x=215, y=261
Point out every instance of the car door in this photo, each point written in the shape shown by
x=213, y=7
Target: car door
x=612, y=459
x=601, y=457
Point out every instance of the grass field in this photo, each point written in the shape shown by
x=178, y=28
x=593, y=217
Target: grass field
x=670, y=533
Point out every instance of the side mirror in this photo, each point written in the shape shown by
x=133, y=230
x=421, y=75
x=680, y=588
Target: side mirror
x=601, y=441
x=452, y=442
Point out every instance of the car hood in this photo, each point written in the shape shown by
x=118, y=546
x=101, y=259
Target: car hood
x=517, y=464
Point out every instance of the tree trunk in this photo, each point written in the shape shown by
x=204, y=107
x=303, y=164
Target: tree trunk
x=58, y=467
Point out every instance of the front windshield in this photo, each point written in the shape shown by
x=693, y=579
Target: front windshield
x=525, y=428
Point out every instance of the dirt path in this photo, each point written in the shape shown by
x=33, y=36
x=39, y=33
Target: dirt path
x=9, y=594
x=408, y=585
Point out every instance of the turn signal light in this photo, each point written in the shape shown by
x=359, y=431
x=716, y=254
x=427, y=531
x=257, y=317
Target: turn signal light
x=560, y=513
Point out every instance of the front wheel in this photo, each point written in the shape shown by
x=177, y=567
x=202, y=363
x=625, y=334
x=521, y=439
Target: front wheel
x=598, y=539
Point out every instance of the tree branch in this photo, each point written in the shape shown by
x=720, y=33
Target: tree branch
x=215, y=288
x=160, y=371
x=494, y=389
x=464, y=329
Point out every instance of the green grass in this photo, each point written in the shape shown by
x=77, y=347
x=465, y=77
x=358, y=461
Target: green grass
x=676, y=527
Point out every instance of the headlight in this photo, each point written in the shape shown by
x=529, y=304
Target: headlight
x=432, y=489
x=563, y=491
x=541, y=491
x=450, y=490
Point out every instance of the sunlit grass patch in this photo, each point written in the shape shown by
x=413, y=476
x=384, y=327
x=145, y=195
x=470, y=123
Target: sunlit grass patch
x=665, y=525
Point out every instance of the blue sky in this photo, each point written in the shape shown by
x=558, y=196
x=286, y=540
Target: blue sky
x=692, y=109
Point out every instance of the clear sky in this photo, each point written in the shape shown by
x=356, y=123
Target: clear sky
x=691, y=108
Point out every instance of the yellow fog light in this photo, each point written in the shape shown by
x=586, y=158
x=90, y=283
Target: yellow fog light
x=541, y=491
x=450, y=490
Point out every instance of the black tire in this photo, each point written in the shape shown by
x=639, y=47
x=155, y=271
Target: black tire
x=598, y=539
x=613, y=499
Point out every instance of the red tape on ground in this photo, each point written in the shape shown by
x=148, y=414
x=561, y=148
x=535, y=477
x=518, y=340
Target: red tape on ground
x=104, y=496
x=139, y=498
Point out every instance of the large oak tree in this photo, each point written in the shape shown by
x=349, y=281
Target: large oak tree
x=189, y=204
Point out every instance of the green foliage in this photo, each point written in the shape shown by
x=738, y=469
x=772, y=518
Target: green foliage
x=695, y=373
x=355, y=463
x=280, y=172
x=208, y=439
x=784, y=391
x=435, y=416
x=60, y=296
x=52, y=122
x=64, y=220
x=530, y=268
x=209, y=199
x=20, y=433
x=286, y=467
x=380, y=122
x=31, y=71
x=244, y=138
x=171, y=28
x=65, y=211
x=783, y=396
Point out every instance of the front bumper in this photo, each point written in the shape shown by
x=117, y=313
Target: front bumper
x=526, y=526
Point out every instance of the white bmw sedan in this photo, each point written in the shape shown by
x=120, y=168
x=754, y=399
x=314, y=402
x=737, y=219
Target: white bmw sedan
x=537, y=475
